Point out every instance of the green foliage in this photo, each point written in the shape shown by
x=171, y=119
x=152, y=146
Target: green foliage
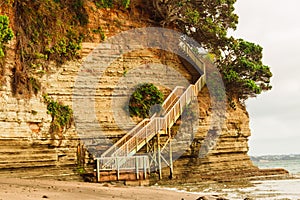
x=67, y=48
x=80, y=14
x=211, y=18
x=125, y=3
x=62, y=115
x=101, y=32
x=112, y=3
x=243, y=71
x=105, y=3
x=80, y=170
x=56, y=38
x=8, y=2
x=193, y=16
x=6, y=34
x=47, y=31
x=145, y=96
x=35, y=85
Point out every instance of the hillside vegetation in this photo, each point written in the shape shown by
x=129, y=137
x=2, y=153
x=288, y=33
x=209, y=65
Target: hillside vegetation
x=52, y=32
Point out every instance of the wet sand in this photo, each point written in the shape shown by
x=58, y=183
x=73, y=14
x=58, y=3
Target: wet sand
x=11, y=189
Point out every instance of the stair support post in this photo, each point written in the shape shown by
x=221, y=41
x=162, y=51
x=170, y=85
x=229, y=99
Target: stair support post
x=145, y=167
x=170, y=154
x=159, y=156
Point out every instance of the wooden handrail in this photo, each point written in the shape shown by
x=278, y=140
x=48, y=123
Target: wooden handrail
x=176, y=92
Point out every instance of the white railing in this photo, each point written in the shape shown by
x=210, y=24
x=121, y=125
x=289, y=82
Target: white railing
x=193, y=55
x=140, y=138
x=130, y=164
x=175, y=94
x=115, y=163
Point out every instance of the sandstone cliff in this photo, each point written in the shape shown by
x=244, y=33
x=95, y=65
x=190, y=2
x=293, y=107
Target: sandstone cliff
x=28, y=149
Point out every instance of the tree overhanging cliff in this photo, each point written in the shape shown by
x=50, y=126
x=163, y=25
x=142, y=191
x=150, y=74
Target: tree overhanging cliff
x=208, y=22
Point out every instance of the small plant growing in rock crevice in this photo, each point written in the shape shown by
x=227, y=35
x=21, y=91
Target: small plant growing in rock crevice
x=62, y=116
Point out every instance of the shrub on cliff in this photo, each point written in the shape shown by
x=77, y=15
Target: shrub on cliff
x=62, y=116
x=143, y=98
x=6, y=34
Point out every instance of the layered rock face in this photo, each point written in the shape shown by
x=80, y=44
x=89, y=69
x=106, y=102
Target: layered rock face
x=28, y=149
x=26, y=141
x=228, y=159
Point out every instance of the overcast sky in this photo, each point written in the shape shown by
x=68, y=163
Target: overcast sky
x=274, y=115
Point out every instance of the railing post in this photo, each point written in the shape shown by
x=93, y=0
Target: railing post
x=148, y=166
x=145, y=167
x=136, y=144
x=98, y=169
x=146, y=136
x=159, y=156
x=137, y=167
x=118, y=168
x=186, y=100
x=166, y=123
x=171, y=159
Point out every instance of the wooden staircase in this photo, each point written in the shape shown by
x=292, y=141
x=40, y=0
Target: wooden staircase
x=122, y=157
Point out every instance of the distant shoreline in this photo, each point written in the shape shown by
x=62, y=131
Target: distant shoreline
x=276, y=157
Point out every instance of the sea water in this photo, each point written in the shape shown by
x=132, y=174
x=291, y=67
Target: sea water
x=264, y=189
x=254, y=190
x=292, y=165
x=270, y=189
x=277, y=189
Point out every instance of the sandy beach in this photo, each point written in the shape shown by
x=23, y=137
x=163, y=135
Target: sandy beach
x=11, y=189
